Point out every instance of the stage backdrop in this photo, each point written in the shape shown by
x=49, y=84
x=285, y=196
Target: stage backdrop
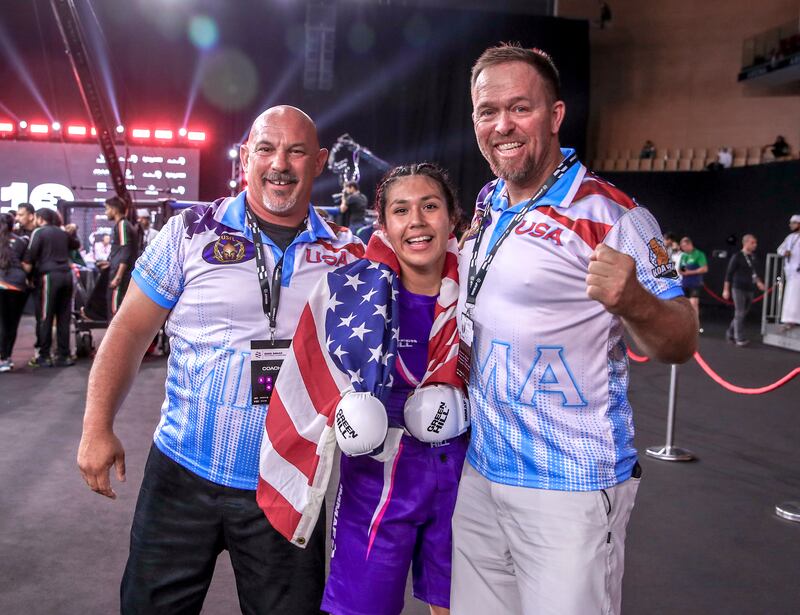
x=401, y=75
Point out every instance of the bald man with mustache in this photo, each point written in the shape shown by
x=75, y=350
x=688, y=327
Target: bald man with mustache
x=228, y=279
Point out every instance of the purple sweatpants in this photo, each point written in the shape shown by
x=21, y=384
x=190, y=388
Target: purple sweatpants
x=388, y=516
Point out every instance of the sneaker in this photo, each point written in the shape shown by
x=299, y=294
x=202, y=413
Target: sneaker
x=40, y=362
x=5, y=366
x=64, y=362
x=741, y=343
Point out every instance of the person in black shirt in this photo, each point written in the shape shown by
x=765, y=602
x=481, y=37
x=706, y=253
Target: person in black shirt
x=13, y=288
x=353, y=206
x=47, y=259
x=122, y=257
x=742, y=276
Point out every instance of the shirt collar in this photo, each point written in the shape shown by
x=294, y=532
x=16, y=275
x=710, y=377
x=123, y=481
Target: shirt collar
x=559, y=195
x=232, y=214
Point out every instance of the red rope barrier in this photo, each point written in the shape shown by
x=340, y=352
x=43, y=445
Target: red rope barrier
x=637, y=358
x=743, y=390
x=726, y=302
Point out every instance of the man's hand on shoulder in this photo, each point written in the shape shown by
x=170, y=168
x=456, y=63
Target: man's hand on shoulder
x=97, y=452
x=612, y=281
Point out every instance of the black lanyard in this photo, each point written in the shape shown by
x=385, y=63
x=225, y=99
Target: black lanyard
x=478, y=275
x=270, y=290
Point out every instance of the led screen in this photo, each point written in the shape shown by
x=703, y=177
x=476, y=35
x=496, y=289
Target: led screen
x=42, y=173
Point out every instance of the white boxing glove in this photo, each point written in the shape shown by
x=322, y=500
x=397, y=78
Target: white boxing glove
x=360, y=424
x=436, y=413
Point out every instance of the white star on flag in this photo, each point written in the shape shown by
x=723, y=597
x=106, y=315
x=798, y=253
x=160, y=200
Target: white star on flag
x=339, y=352
x=380, y=310
x=353, y=281
x=366, y=298
x=359, y=332
x=355, y=376
x=346, y=321
x=333, y=303
x=375, y=354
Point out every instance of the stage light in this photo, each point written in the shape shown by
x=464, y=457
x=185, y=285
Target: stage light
x=160, y=133
x=233, y=183
x=93, y=131
x=39, y=129
x=233, y=153
x=120, y=129
x=56, y=126
x=23, y=124
x=77, y=131
x=182, y=132
x=140, y=133
x=6, y=127
x=196, y=135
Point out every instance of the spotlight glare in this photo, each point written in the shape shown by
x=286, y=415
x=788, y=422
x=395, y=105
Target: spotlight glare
x=120, y=129
x=56, y=126
x=93, y=131
x=232, y=153
x=39, y=129
x=6, y=127
x=23, y=124
x=76, y=131
x=182, y=132
x=140, y=133
x=196, y=135
x=232, y=183
x=163, y=134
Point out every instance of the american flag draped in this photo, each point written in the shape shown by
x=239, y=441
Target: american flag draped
x=346, y=340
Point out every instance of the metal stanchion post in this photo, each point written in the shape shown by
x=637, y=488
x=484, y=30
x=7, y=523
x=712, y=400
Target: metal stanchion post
x=668, y=452
x=789, y=511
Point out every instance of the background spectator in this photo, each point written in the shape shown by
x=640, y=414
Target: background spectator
x=648, y=150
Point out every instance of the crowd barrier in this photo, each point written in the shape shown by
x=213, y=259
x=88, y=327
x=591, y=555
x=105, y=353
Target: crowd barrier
x=728, y=302
x=789, y=510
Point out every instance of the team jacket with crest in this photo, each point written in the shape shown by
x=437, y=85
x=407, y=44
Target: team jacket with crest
x=202, y=267
x=549, y=378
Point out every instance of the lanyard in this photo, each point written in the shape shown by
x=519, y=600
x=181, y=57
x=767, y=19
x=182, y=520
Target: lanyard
x=270, y=289
x=478, y=275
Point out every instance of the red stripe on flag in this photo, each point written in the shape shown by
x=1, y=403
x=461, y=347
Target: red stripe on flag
x=280, y=513
x=319, y=383
x=289, y=444
x=590, y=231
x=595, y=186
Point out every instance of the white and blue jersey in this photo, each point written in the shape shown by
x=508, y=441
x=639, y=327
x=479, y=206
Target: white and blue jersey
x=202, y=267
x=549, y=377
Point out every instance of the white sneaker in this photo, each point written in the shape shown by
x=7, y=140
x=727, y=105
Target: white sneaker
x=6, y=366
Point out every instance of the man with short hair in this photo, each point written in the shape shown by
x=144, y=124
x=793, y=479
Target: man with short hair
x=230, y=280
x=148, y=234
x=353, y=206
x=121, y=256
x=692, y=266
x=790, y=251
x=742, y=277
x=26, y=220
x=557, y=265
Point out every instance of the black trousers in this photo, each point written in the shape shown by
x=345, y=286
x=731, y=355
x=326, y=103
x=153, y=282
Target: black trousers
x=114, y=296
x=54, y=301
x=183, y=522
x=12, y=303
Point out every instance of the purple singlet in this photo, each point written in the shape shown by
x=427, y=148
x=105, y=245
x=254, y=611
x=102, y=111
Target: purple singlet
x=416, y=320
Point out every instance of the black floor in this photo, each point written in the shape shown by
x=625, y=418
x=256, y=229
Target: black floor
x=703, y=537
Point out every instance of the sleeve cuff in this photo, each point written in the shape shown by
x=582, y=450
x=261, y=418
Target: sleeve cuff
x=151, y=292
x=671, y=293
